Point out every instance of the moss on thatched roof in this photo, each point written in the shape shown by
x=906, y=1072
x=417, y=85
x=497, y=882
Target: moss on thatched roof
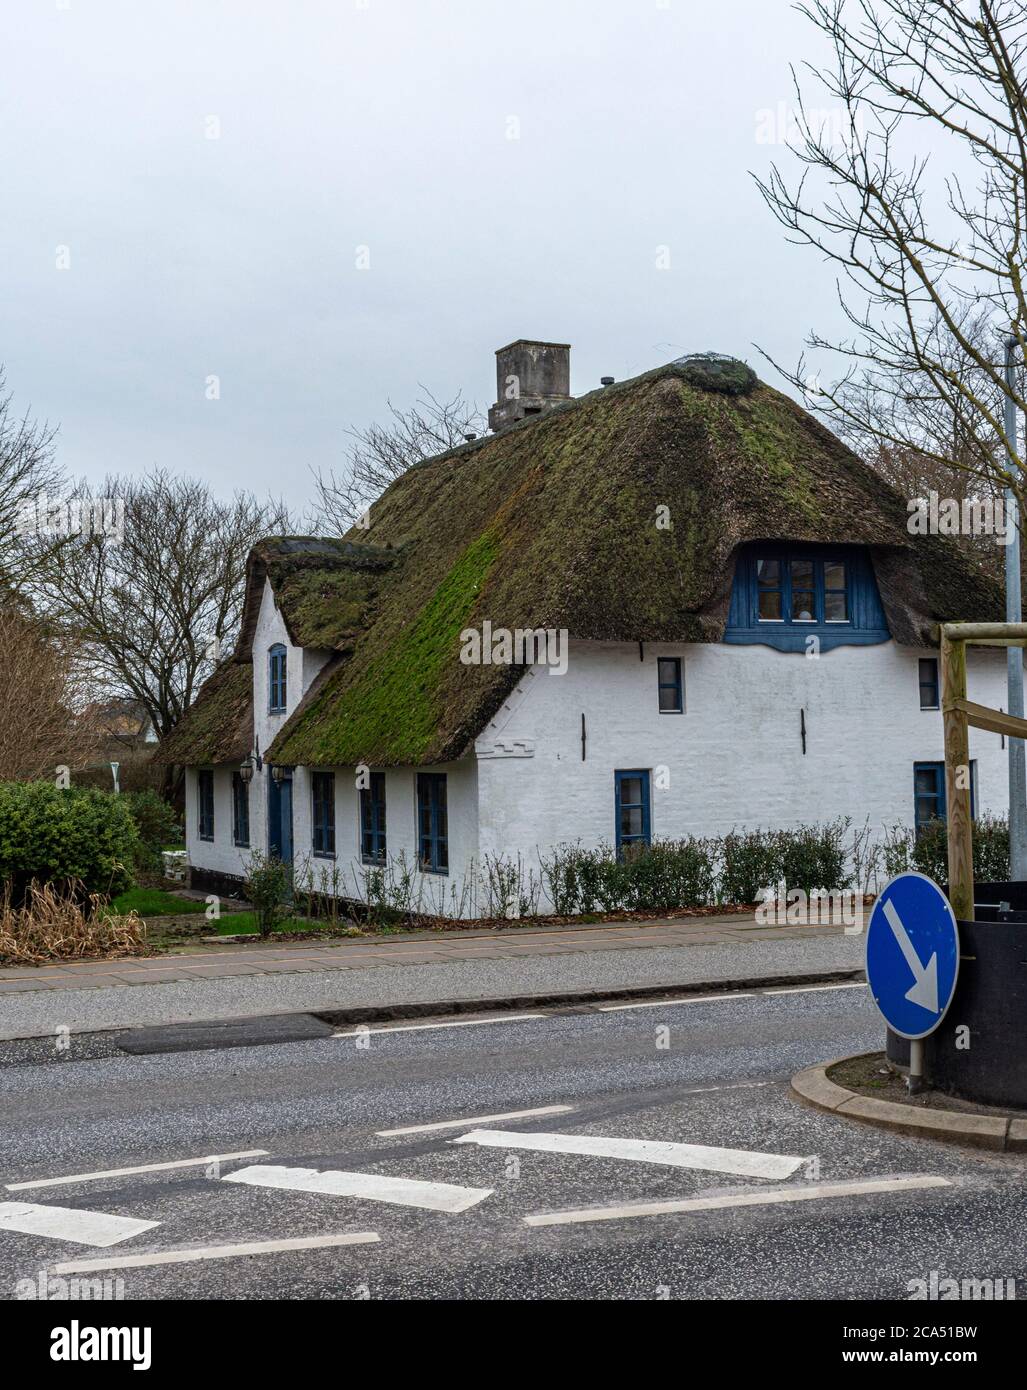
x=218, y=726
x=553, y=523
x=323, y=588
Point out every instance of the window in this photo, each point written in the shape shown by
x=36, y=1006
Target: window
x=770, y=588
x=432, y=823
x=810, y=589
x=372, y=820
x=929, y=683
x=240, y=811
x=785, y=595
x=276, y=680
x=205, y=803
x=323, y=791
x=836, y=592
x=929, y=793
x=631, y=810
x=671, y=693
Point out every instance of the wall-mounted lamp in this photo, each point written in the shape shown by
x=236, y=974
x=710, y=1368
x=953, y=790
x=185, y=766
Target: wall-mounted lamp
x=278, y=772
x=246, y=771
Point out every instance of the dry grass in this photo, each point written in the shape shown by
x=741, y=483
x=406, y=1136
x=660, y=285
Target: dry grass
x=53, y=924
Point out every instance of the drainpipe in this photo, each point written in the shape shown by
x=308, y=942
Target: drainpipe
x=1014, y=655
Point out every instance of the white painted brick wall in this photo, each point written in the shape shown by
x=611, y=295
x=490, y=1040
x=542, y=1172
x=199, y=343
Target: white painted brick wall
x=734, y=757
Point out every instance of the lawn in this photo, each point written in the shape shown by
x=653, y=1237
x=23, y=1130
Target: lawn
x=154, y=902
x=245, y=924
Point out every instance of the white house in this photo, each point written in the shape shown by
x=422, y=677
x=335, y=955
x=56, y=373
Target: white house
x=671, y=607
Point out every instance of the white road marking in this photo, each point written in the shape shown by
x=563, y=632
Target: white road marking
x=424, y=1027
x=373, y=1187
x=762, y=1198
x=742, y=1162
x=142, y=1168
x=666, y=1003
x=731, y=1086
x=476, y=1120
x=69, y=1223
x=814, y=989
x=217, y=1252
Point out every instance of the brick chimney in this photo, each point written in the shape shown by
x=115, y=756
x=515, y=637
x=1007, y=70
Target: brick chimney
x=530, y=378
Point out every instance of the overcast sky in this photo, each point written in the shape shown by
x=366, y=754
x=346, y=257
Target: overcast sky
x=385, y=125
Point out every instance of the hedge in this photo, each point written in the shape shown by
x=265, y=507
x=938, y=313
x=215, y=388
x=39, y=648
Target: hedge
x=73, y=836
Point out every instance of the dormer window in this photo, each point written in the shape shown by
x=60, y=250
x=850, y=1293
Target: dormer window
x=786, y=595
x=792, y=589
x=276, y=679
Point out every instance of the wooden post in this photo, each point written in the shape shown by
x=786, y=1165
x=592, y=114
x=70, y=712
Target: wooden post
x=957, y=777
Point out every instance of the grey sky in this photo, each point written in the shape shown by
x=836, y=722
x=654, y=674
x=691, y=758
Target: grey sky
x=381, y=124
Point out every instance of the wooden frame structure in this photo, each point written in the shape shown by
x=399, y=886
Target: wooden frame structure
x=959, y=714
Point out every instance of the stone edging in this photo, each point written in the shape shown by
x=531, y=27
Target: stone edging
x=1005, y=1133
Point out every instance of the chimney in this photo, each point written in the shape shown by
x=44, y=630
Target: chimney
x=530, y=378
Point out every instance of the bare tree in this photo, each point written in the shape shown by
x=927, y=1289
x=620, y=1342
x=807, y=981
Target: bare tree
x=29, y=477
x=157, y=600
x=39, y=725
x=933, y=277
x=382, y=453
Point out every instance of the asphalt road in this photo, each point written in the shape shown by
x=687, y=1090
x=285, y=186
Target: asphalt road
x=698, y=1073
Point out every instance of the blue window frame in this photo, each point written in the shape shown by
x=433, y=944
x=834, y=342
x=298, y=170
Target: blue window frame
x=631, y=809
x=372, y=820
x=783, y=593
x=670, y=688
x=276, y=683
x=432, y=823
x=929, y=683
x=322, y=786
x=929, y=793
x=240, y=811
x=797, y=588
x=205, y=804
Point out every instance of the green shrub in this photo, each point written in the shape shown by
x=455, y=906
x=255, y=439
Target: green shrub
x=929, y=853
x=991, y=850
x=156, y=825
x=672, y=873
x=813, y=856
x=268, y=887
x=751, y=861
x=990, y=838
x=897, y=850
x=75, y=836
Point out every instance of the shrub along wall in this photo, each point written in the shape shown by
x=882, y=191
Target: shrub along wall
x=697, y=872
x=928, y=852
x=75, y=836
x=733, y=870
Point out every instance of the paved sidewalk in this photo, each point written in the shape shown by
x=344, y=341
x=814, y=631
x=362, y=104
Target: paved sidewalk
x=244, y=980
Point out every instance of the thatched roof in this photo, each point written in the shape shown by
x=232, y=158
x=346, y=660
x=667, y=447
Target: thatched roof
x=323, y=588
x=218, y=726
x=552, y=523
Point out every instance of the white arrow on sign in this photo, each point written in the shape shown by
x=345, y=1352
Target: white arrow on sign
x=925, y=977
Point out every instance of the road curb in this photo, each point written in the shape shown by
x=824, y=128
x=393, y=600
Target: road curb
x=1003, y=1133
x=373, y=1013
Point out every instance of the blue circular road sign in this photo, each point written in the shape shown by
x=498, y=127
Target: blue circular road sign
x=912, y=955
